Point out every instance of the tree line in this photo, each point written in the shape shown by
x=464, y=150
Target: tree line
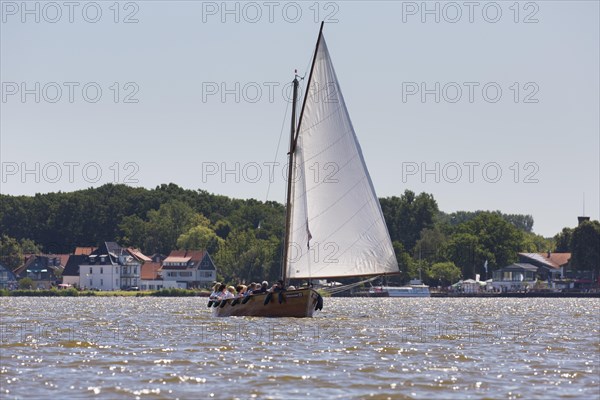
x=245, y=237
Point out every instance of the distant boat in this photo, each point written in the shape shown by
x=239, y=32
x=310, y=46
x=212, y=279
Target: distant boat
x=334, y=223
x=414, y=289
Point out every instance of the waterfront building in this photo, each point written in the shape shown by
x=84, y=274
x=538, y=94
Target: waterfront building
x=43, y=269
x=151, y=278
x=109, y=267
x=192, y=268
x=70, y=275
x=515, y=277
x=8, y=280
x=550, y=265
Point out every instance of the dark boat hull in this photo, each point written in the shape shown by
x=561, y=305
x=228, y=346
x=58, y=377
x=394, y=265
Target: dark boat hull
x=298, y=303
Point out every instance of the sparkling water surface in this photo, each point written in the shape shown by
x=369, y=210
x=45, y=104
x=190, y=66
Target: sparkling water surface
x=167, y=348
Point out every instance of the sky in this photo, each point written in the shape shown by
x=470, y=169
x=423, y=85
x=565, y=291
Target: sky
x=485, y=105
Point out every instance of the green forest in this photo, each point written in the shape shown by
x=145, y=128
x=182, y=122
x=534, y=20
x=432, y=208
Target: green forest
x=244, y=237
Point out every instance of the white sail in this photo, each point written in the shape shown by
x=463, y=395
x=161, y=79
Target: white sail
x=337, y=226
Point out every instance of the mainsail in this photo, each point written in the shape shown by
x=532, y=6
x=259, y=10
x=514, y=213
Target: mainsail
x=337, y=227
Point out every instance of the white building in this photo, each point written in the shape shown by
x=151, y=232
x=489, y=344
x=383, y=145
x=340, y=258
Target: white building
x=515, y=277
x=105, y=276
x=109, y=267
x=192, y=268
x=151, y=278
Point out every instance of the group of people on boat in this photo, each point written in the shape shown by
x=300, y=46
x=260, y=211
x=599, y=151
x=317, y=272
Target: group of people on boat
x=222, y=292
x=242, y=293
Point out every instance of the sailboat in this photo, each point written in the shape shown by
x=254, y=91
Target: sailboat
x=334, y=223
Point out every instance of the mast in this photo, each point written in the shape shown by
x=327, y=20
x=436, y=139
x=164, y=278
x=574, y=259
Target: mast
x=288, y=207
x=291, y=166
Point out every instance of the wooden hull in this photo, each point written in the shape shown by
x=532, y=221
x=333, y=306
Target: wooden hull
x=298, y=303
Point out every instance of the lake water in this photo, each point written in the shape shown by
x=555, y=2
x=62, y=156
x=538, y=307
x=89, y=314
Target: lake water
x=356, y=348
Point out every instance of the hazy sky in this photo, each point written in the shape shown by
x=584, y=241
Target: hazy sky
x=498, y=102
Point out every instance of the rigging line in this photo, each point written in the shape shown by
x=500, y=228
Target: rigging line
x=343, y=288
x=284, y=121
x=278, y=146
x=301, y=88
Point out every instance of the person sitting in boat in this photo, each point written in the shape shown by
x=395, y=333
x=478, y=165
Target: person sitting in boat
x=277, y=287
x=229, y=293
x=215, y=292
x=222, y=291
x=241, y=290
x=249, y=290
x=264, y=287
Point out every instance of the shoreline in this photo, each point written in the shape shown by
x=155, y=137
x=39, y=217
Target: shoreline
x=94, y=293
x=489, y=295
x=522, y=295
x=203, y=294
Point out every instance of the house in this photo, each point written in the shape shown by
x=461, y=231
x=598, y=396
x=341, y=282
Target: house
x=8, y=280
x=151, y=278
x=109, y=267
x=151, y=271
x=550, y=265
x=194, y=268
x=70, y=274
x=44, y=269
x=515, y=277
